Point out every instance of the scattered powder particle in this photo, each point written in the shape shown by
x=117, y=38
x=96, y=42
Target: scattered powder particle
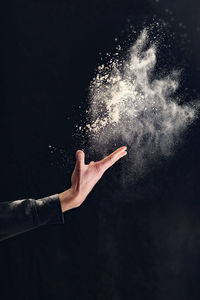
x=129, y=106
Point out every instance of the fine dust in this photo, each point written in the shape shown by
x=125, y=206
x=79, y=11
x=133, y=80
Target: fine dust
x=129, y=106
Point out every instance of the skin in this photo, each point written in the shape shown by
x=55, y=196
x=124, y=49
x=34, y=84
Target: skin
x=84, y=177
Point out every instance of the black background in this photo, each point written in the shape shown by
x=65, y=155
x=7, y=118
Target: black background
x=135, y=242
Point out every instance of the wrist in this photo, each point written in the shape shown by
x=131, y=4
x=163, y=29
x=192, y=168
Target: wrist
x=68, y=199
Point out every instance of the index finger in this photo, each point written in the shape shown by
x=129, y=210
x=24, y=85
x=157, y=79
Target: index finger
x=109, y=160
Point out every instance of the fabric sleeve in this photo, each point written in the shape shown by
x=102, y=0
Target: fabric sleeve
x=23, y=215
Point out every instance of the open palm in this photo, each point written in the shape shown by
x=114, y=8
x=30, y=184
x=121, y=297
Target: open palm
x=84, y=177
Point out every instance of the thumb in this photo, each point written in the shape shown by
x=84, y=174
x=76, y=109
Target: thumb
x=80, y=159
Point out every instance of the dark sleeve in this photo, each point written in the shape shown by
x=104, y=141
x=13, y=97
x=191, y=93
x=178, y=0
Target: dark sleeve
x=23, y=215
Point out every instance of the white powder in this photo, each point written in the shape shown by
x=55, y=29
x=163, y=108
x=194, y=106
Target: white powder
x=129, y=107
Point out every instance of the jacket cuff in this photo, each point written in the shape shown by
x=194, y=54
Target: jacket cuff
x=49, y=211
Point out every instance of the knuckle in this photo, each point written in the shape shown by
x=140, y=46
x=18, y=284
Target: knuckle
x=112, y=160
x=78, y=168
x=98, y=168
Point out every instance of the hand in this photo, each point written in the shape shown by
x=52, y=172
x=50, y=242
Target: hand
x=84, y=177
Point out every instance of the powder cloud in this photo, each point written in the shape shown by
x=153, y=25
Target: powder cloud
x=129, y=106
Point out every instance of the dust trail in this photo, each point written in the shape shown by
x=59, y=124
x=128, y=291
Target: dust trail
x=128, y=105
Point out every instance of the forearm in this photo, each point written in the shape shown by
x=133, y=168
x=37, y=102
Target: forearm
x=20, y=216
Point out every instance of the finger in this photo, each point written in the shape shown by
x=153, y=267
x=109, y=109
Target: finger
x=108, y=161
x=80, y=159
